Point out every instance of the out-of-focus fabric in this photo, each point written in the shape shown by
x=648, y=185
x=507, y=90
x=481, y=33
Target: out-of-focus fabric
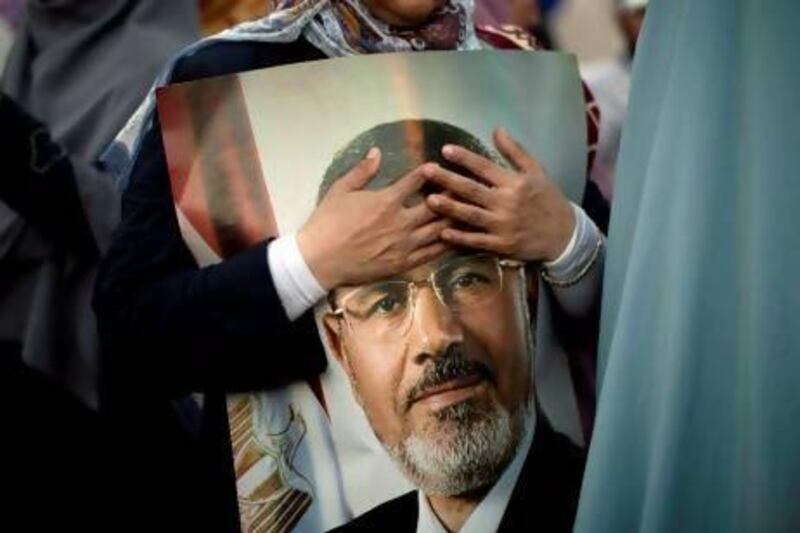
x=10, y=17
x=6, y=41
x=11, y=11
x=610, y=82
x=697, y=424
x=80, y=67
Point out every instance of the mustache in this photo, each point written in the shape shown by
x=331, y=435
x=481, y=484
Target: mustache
x=452, y=364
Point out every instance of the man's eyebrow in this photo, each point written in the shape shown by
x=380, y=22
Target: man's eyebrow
x=448, y=258
x=404, y=278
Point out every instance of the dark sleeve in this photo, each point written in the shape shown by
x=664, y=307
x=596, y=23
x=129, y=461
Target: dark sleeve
x=166, y=323
x=38, y=181
x=596, y=206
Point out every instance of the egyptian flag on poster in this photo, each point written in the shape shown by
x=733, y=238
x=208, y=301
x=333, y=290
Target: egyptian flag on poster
x=283, y=451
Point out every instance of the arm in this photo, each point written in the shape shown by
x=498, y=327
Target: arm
x=179, y=328
x=572, y=285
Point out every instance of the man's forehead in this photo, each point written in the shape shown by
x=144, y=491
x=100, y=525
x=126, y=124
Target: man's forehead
x=424, y=270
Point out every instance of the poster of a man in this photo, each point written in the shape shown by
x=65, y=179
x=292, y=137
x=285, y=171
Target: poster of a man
x=443, y=386
x=441, y=361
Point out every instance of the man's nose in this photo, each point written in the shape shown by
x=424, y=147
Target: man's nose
x=435, y=328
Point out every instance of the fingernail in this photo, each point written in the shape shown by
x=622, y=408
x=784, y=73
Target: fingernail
x=429, y=170
x=373, y=153
x=448, y=150
x=435, y=199
x=502, y=131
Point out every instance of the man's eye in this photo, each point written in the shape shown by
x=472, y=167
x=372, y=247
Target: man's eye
x=469, y=279
x=385, y=306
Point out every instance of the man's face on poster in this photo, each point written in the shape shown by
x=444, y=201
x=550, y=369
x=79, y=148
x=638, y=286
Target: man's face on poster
x=431, y=350
x=438, y=357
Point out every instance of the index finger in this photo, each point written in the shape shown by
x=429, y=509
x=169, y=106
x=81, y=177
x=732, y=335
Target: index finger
x=469, y=189
x=483, y=168
x=360, y=175
x=408, y=184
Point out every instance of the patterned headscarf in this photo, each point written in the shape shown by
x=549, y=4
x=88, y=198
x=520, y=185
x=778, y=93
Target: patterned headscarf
x=346, y=27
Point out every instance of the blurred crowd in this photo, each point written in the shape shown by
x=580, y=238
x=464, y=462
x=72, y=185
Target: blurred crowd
x=74, y=73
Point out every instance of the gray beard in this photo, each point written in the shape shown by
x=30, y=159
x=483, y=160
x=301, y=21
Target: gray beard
x=473, y=446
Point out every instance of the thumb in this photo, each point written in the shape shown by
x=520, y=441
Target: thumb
x=358, y=176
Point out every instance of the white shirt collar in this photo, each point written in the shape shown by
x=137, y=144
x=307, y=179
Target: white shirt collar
x=489, y=513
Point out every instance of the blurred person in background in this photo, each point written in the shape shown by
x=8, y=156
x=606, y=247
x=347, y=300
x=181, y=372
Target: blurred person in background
x=80, y=68
x=527, y=15
x=42, y=217
x=610, y=82
x=77, y=70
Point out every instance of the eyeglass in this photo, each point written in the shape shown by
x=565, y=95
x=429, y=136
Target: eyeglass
x=384, y=311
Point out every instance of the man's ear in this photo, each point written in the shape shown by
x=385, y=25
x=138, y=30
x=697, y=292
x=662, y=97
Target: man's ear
x=333, y=334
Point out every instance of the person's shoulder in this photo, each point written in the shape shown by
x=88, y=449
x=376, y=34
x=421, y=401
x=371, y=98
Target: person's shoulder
x=399, y=514
x=223, y=57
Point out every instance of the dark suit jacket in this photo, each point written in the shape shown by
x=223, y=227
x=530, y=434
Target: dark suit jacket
x=544, y=499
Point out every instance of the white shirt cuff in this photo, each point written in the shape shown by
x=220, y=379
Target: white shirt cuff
x=297, y=287
x=579, y=250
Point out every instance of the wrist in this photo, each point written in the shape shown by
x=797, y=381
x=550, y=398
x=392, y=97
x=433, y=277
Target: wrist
x=318, y=260
x=564, y=234
x=297, y=287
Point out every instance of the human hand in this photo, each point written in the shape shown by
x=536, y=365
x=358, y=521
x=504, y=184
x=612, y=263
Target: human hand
x=358, y=235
